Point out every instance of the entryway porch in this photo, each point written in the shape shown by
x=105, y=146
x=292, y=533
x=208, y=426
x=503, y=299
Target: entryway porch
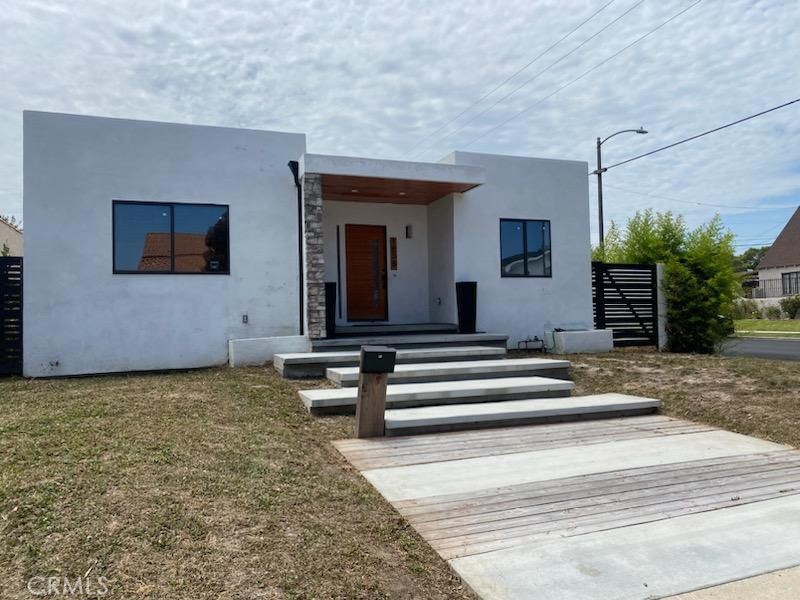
x=378, y=245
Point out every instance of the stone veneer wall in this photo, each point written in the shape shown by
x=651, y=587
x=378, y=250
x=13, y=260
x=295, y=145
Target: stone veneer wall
x=314, y=259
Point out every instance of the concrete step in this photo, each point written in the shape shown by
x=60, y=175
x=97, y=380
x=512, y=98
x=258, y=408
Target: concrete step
x=452, y=417
x=412, y=341
x=313, y=364
x=403, y=395
x=410, y=329
x=460, y=370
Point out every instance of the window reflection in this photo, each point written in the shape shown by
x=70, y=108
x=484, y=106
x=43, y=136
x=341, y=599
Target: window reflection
x=201, y=238
x=142, y=237
x=512, y=248
x=525, y=248
x=147, y=234
x=538, y=248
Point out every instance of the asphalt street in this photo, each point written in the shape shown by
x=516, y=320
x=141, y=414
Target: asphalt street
x=779, y=349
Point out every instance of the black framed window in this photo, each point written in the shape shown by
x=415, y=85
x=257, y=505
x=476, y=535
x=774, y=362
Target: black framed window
x=161, y=237
x=791, y=283
x=525, y=248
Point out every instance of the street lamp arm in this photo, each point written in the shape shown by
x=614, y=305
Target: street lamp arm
x=640, y=130
x=599, y=172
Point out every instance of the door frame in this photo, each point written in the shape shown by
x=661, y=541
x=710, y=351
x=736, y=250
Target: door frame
x=385, y=281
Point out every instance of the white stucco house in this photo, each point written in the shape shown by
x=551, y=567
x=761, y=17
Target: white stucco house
x=160, y=246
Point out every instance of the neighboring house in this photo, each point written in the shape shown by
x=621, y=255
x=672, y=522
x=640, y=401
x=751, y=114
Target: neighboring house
x=11, y=238
x=779, y=270
x=159, y=246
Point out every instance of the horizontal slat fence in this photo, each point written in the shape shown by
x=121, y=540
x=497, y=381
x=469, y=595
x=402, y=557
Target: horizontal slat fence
x=10, y=315
x=625, y=300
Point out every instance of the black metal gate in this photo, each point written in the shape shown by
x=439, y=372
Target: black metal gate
x=10, y=315
x=626, y=301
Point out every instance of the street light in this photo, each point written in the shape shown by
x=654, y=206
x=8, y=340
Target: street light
x=599, y=172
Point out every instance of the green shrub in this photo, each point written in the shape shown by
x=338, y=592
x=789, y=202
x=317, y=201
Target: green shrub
x=744, y=308
x=773, y=313
x=699, y=282
x=791, y=306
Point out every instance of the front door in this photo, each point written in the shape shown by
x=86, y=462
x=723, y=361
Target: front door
x=365, y=255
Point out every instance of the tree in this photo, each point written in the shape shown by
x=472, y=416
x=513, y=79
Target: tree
x=749, y=259
x=5, y=250
x=699, y=282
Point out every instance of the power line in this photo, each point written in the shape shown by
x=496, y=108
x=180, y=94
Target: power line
x=699, y=135
x=510, y=77
x=693, y=201
x=585, y=73
x=536, y=76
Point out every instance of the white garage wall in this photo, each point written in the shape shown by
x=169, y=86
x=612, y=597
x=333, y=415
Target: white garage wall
x=525, y=188
x=79, y=316
x=408, y=286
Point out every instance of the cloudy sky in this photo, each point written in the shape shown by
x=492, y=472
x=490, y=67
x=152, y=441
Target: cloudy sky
x=395, y=79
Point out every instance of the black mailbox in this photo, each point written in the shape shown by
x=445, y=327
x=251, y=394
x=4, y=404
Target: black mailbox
x=377, y=359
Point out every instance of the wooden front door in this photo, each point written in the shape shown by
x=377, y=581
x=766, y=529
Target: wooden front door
x=365, y=255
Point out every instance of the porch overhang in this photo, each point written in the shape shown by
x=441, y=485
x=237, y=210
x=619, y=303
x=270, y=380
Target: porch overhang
x=353, y=179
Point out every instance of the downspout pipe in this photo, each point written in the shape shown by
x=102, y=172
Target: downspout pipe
x=294, y=167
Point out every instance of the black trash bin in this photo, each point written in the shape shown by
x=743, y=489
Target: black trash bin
x=330, y=308
x=467, y=303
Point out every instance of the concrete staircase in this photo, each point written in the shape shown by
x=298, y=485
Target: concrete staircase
x=460, y=370
x=404, y=395
x=446, y=382
x=430, y=419
x=314, y=364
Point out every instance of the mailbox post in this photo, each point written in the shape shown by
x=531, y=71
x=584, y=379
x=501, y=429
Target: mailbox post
x=376, y=364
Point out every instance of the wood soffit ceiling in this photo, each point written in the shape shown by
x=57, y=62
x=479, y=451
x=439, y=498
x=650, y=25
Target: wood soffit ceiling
x=396, y=191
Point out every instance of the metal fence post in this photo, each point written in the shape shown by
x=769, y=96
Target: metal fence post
x=661, y=308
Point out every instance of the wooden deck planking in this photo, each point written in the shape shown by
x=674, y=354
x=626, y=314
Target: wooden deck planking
x=473, y=436
x=466, y=547
x=552, y=512
x=451, y=501
x=495, y=518
x=373, y=454
x=493, y=506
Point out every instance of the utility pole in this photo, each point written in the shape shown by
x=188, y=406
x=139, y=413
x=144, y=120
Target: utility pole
x=599, y=172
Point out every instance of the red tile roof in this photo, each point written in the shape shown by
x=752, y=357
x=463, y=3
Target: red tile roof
x=190, y=252
x=785, y=250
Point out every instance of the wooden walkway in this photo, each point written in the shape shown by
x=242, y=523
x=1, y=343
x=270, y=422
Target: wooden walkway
x=473, y=494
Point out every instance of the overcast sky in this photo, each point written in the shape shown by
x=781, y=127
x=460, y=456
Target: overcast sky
x=378, y=78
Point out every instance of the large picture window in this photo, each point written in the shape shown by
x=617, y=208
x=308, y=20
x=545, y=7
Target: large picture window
x=157, y=237
x=791, y=283
x=525, y=248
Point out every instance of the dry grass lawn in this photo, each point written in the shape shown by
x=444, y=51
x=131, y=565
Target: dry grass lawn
x=199, y=485
x=217, y=484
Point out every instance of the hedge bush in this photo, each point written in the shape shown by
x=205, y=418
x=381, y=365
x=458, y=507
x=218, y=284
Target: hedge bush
x=791, y=306
x=744, y=308
x=699, y=281
x=773, y=313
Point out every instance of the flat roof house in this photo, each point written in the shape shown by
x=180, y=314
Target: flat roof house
x=160, y=246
